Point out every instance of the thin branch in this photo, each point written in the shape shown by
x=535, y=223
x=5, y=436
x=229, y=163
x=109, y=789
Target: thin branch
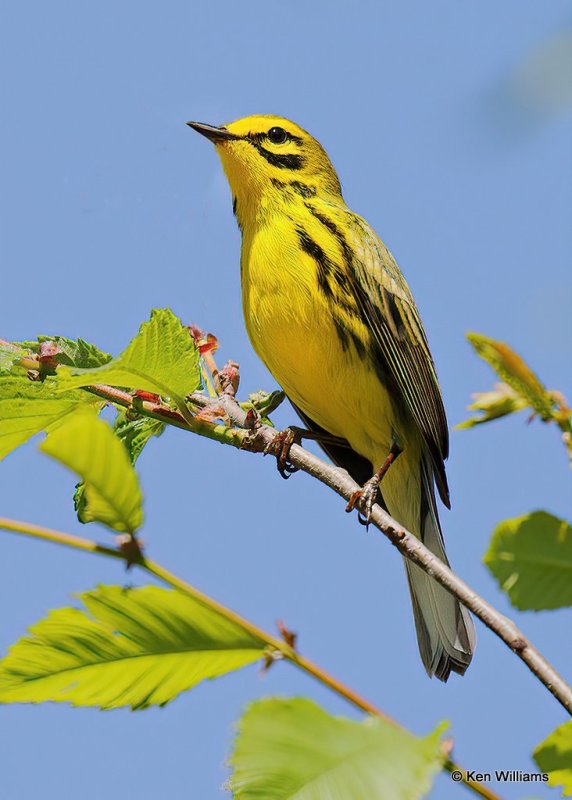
x=276, y=645
x=241, y=434
x=218, y=432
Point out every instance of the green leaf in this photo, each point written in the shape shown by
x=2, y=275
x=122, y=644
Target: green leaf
x=288, y=749
x=554, y=756
x=10, y=355
x=531, y=558
x=87, y=445
x=140, y=647
x=28, y=407
x=135, y=433
x=77, y=352
x=31, y=346
x=513, y=371
x=162, y=358
x=264, y=404
x=72, y=352
x=493, y=405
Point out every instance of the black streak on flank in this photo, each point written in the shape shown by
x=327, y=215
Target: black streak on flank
x=300, y=188
x=346, y=335
x=343, y=277
x=234, y=206
x=358, y=344
x=327, y=272
x=325, y=266
x=303, y=189
x=342, y=332
x=283, y=161
x=348, y=295
x=333, y=228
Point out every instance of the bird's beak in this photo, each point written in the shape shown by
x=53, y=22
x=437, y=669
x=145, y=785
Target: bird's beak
x=212, y=132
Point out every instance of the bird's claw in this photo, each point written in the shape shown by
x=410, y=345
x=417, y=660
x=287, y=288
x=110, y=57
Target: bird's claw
x=369, y=492
x=280, y=447
x=368, y=496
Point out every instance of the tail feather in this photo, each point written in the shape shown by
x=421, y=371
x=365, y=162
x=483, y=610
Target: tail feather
x=445, y=630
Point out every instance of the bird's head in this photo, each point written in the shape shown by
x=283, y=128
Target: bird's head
x=262, y=155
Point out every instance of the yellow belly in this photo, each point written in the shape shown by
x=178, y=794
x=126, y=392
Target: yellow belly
x=291, y=327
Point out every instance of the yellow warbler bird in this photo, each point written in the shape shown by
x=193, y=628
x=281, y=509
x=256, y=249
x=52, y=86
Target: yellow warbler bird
x=330, y=314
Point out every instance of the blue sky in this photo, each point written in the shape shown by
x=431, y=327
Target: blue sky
x=110, y=206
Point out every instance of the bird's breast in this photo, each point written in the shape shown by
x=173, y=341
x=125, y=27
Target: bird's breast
x=314, y=344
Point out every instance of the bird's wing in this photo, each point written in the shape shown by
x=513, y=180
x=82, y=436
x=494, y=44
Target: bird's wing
x=385, y=301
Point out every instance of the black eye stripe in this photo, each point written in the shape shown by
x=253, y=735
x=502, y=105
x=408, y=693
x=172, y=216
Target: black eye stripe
x=281, y=160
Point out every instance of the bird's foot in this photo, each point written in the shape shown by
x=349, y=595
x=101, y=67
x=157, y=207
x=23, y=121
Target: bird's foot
x=367, y=495
x=280, y=447
x=282, y=442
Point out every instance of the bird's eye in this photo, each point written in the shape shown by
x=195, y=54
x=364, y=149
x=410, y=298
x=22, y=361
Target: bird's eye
x=277, y=135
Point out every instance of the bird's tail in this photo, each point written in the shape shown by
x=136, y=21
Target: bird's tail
x=445, y=631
